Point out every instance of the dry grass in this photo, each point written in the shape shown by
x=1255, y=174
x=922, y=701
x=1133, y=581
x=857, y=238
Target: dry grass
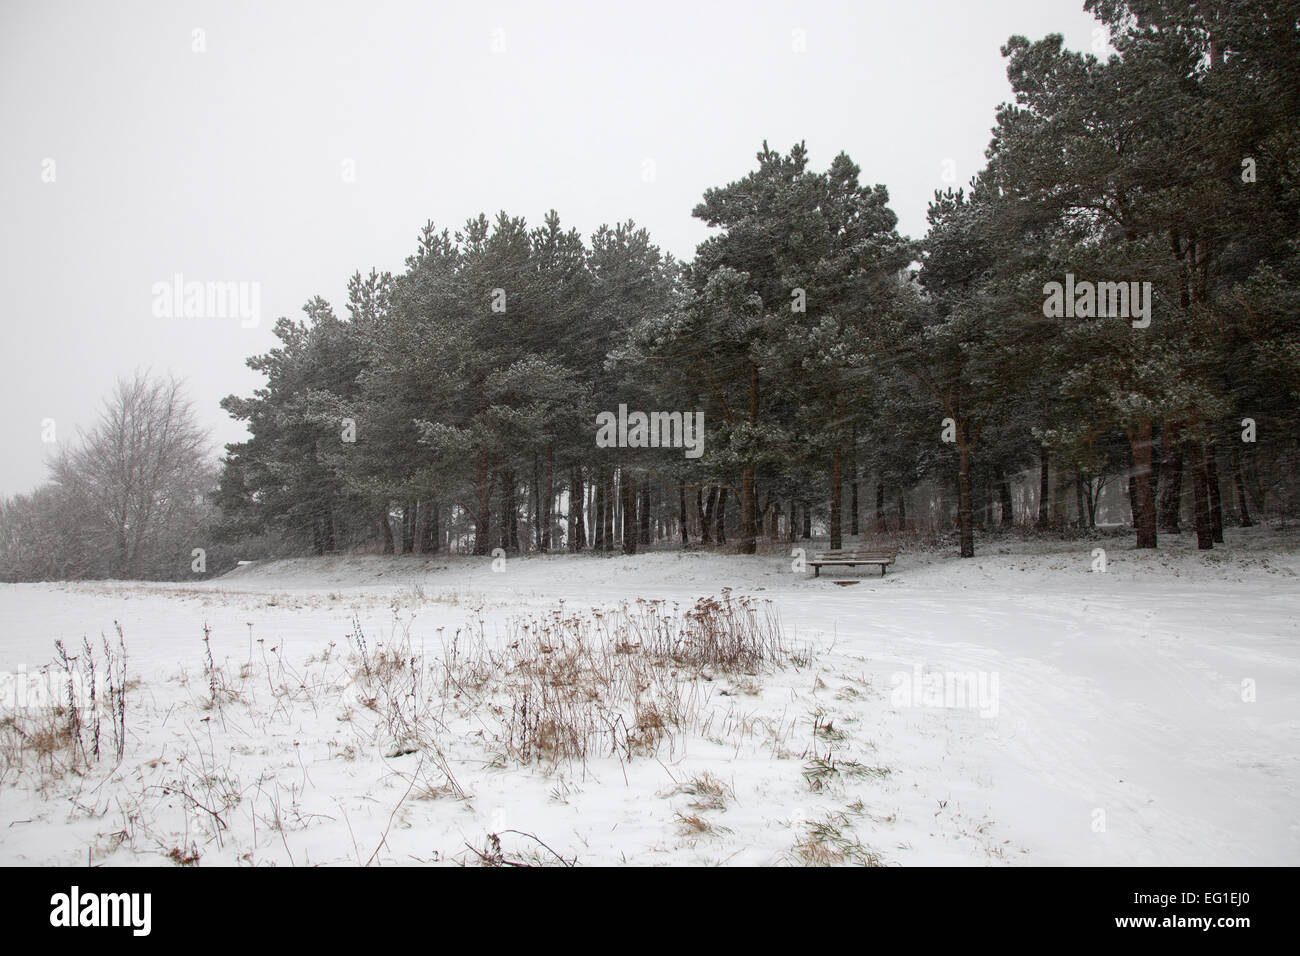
x=565, y=687
x=536, y=854
x=821, y=772
x=77, y=718
x=395, y=682
x=551, y=691
x=562, y=687
x=624, y=682
x=692, y=825
x=831, y=842
x=708, y=791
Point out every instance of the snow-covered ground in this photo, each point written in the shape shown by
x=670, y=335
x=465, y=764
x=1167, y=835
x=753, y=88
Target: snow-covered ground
x=1149, y=714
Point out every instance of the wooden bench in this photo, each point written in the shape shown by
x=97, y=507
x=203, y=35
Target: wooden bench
x=852, y=559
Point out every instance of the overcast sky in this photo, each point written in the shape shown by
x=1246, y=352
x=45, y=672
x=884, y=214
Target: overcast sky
x=128, y=156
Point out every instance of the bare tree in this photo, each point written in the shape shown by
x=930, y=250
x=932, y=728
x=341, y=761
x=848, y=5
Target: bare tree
x=133, y=485
x=30, y=547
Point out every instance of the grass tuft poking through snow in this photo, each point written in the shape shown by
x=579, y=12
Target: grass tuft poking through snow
x=68, y=715
x=562, y=687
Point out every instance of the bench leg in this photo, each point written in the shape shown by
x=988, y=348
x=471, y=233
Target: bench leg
x=817, y=570
x=882, y=570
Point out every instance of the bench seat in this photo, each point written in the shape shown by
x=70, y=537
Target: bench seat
x=852, y=558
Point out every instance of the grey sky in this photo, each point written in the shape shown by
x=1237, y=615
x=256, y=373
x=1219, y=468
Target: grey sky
x=228, y=164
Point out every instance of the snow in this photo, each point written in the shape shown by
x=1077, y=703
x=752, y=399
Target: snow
x=1145, y=715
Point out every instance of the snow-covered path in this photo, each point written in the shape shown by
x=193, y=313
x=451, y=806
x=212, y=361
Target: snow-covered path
x=1147, y=715
x=1128, y=704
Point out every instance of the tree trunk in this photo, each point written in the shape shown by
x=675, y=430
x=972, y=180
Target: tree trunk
x=1216, y=502
x=748, y=493
x=1201, y=498
x=748, y=513
x=609, y=479
x=1144, y=496
x=614, y=536
x=577, y=498
x=880, y=507
x=586, y=510
x=807, y=522
x=1007, y=515
x=720, y=517
x=537, y=506
x=1240, y=486
x=706, y=515
x=514, y=517
x=430, y=538
x=548, y=508
x=837, y=497
x=644, y=522
x=1060, y=508
x=1080, y=507
x=408, y=528
x=681, y=514
x=627, y=488
x=509, y=513
x=599, y=529
x=506, y=481
x=964, y=522
x=385, y=521
x=853, y=501
x=1044, y=488
x=1171, y=477
x=902, y=511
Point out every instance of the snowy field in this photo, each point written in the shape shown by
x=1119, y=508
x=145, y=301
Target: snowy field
x=1146, y=715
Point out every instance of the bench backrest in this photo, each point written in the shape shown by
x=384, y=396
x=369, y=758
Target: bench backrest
x=861, y=555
